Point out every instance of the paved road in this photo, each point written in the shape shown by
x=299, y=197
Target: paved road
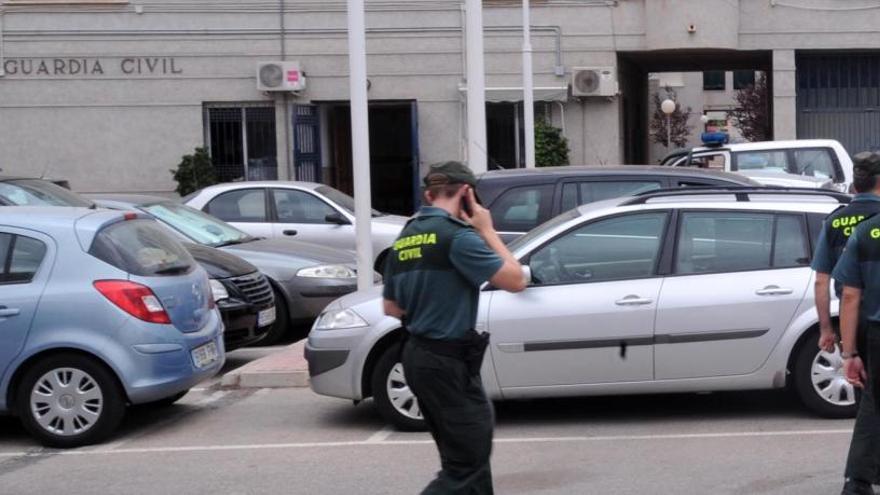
x=294, y=442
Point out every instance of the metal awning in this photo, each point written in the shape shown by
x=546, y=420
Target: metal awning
x=515, y=93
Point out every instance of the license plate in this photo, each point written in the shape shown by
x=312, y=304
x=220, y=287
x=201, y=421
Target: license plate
x=266, y=317
x=205, y=355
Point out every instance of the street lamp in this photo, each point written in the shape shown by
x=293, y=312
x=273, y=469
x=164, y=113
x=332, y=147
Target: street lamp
x=528, y=88
x=668, y=107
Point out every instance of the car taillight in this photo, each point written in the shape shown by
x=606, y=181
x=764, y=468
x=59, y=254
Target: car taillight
x=135, y=299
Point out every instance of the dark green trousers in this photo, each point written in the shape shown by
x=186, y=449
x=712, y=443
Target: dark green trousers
x=458, y=415
x=864, y=451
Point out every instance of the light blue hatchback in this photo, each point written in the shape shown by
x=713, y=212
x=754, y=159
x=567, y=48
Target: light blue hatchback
x=99, y=309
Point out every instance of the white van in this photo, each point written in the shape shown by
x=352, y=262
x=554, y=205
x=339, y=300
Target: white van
x=822, y=162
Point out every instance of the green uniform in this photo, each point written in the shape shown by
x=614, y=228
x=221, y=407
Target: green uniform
x=433, y=273
x=859, y=267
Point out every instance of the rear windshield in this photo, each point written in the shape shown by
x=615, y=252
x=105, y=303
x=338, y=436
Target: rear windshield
x=143, y=248
x=35, y=192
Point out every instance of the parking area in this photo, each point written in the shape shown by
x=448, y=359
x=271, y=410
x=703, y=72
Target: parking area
x=293, y=441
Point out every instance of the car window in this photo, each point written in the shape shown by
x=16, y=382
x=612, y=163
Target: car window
x=612, y=249
x=341, y=199
x=36, y=192
x=815, y=163
x=712, y=242
x=20, y=257
x=141, y=247
x=292, y=206
x=790, y=244
x=522, y=208
x=569, y=196
x=196, y=225
x=244, y=205
x=599, y=190
x=714, y=161
x=772, y=161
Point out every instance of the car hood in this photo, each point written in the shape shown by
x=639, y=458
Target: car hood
x=367, y=303
x=218, y=263
x=295, y=252
x=788, y=180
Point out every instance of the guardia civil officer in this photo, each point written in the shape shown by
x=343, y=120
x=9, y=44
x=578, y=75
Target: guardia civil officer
x=858, y=270
x=432, y=279
x=836, y=230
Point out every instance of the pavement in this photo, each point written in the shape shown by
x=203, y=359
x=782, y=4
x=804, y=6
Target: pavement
x=292, y=441
x=283, y=367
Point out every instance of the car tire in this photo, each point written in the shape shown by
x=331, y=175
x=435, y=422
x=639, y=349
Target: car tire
x=281, y=327
x=809, y=380
x=388, y=380
x=96, y=414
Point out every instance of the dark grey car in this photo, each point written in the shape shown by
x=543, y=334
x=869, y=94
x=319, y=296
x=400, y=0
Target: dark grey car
x=305, y=277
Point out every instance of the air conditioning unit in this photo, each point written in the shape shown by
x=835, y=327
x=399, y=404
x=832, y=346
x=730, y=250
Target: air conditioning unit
x=594, y=81
x=280, y=76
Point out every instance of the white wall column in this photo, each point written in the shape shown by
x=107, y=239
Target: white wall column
x=476, y=88
x=784, y=95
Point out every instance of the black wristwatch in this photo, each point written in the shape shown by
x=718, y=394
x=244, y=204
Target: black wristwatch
x=848, y=355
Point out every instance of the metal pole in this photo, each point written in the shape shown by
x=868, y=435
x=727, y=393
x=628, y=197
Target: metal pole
x=360, y=141
x=476, y=88
x=668, y=130
x=528, y=87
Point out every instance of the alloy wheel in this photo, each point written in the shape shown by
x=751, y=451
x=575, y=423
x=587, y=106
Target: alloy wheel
x=66, y=401
x=828, y=380
x=401, y=396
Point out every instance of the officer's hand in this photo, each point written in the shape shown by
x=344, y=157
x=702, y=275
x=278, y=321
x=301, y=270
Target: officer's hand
x=480, y=218
x=827, y=340
x=854, y=371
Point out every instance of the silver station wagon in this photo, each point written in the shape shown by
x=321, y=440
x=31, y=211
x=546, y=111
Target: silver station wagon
x=668, y=291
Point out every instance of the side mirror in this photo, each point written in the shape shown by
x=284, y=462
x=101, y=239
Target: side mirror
x=336, y=218
x=527, y=273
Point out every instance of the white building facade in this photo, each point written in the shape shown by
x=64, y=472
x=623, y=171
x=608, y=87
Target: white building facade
x=109, y=94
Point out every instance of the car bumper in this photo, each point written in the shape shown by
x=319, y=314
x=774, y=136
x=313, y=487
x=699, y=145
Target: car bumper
x=307, y=297
x=240, y=323
x=161, y=370
x=336, y=358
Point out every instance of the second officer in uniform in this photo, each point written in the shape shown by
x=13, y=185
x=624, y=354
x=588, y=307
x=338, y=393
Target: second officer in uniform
x=432, y=280
x=859, y=272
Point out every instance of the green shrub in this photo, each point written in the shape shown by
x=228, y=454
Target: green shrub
x=551, y=147
x=194, y=172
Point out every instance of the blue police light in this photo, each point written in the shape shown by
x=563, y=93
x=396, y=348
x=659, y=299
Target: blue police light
x=714, y=139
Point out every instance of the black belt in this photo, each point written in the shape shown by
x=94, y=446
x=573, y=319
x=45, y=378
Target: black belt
x=469, y=349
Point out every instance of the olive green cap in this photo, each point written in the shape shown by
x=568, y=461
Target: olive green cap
x=450, y=173
x=866, y=163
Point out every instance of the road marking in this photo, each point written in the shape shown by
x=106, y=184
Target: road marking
x=381, y=435
x=521, y=440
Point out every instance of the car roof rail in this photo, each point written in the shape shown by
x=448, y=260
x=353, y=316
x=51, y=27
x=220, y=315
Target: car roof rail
x=742, y=193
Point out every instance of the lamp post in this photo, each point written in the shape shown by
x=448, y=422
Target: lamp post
x=360, y=141
x=668, y=107
x=528, y=96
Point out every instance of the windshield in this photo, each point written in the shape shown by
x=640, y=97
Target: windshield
x=36, y=192
x=340, y=198
x=544, y=227
x=198, y=226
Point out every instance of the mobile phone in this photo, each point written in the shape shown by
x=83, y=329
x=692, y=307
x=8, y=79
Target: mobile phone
x=466, y=205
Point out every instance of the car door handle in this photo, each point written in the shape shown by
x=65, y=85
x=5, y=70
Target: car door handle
x=4, y=311
x=774, y=290
x=289, y=232
x=633, y=300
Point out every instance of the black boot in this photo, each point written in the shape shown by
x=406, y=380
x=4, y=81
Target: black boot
x=857, y=487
